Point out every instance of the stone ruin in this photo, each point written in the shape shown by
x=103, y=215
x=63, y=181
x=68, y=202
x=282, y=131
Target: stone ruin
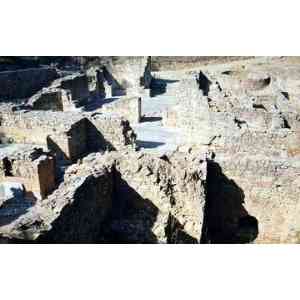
x=248, y=119
x=117, y=153
x=16, y=85
x=64, y=94
x=31, y=167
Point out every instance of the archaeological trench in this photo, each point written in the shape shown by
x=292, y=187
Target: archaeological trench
x=150, y=150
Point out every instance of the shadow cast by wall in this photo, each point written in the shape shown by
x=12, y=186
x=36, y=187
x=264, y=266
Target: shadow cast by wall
x=133, y=218
x=145, y=119
x=16, y=206
x=80, y=221
x=95, y=142
x=226, y=221
x=56, y=150
x=148, y=144
x=117, y=88
x=109, y=210
x=95, y=139
x=159, y=86
x=204, y=83
x=176, y=234
x=97, y=103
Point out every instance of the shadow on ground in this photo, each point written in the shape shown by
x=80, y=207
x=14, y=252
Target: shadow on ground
x=133, y=218
x=148, y=144
x=226, y=221
x=151, y=119
x=159, y=86
x=15, y=207
x=97, y=103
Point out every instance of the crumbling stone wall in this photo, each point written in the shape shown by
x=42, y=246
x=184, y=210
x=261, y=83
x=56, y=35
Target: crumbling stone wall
x=34, y=169
x=126, y=107
x=123, y=196
x=260, y=186
x=107, y=132
x=252, y=131
x=159, y=63
x=69, y=135
x=64, y=134
x=128, y=75
x=24, y=83
x=96, y=82
x=85, y=202
x=47, y=100
x=73, y=213
x=156, y=199
x=63, y=94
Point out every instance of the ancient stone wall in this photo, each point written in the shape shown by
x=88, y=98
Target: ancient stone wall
x=122, y=196
x=24, y=83
x=63, y=94
x=34, y=169
x=85, y=202
x=96, y=82
x=156, y=199
x=191, y=114
x=159, y=63
x=252, y=130
x=128, y=74
x=105, y=132
x=73, y=213
x=126, y=107
x=69, y=135
x=263, y=187
x=47, y=99
x=62, y=133
x=77, y=84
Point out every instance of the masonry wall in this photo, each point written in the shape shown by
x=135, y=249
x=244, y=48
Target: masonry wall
x=252, y=132
x=126, y=107
x=109, y=132
x=61, y=134
x=47, y=100
x=80, y=220
x=38, y=177
x=63, y=94
x=24, y=83
x=157, y=200
x=182, y=62
x=121, y=196
x=270, y=189
x=129, y=74
x=77, y=84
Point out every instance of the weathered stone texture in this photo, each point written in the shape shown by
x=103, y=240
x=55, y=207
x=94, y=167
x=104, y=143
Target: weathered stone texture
x=251, y=124
x=33, y=168
x=109, y=132
x=58, y=131
x=126, y=107
x=270, y=187
x=128, y=75
x=244, y=115
x=158, y=199
x=121, y=197
x=69, y=135
x=63, y=94
x=74, y=213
